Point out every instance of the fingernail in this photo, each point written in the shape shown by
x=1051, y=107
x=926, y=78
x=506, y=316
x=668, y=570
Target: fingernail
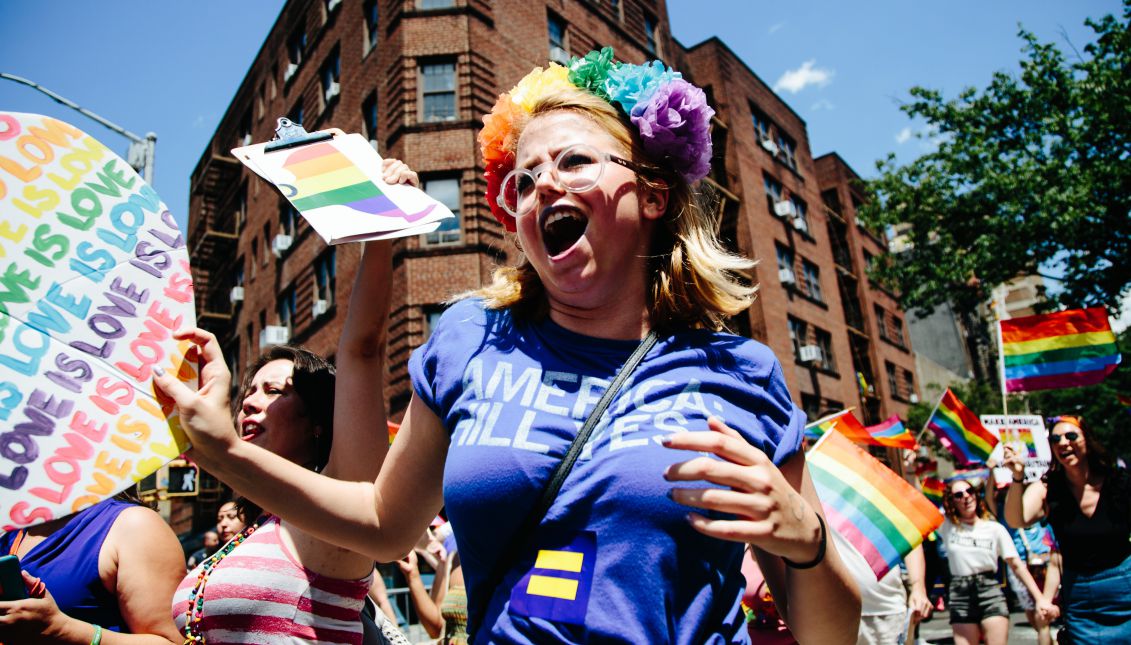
x=666, y=440
x=666, y=473
x=158, y=371
x=671, y=494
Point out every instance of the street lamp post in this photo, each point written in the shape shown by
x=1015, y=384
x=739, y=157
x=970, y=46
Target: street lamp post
x=142, y=151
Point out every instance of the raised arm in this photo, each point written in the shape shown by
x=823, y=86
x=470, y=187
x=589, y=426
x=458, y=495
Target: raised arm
x=381, y=519
x=360, y=434
x=778, y=511
x=1024, y=503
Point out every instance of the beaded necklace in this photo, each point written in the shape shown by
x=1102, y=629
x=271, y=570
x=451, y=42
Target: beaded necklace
x=195, y=613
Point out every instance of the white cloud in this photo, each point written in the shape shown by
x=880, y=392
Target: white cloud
x=774, y=28
x=904, y=135
x=823, y=104
x=795, y=80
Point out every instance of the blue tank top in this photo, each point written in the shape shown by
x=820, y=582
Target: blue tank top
x=67, y=562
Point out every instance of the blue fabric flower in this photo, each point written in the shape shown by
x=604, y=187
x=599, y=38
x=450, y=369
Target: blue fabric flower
x=631, y=86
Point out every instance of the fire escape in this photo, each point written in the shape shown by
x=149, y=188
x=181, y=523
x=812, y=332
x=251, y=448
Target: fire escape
x=219, y=208
x=858, y=339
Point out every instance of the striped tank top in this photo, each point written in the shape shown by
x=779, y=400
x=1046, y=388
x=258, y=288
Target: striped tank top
x=259, y=593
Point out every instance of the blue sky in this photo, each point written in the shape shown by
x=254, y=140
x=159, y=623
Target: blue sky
x=172, y=67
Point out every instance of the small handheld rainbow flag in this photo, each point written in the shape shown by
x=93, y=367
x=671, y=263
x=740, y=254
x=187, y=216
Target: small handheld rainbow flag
x=1063, y=349
x=882, y=515
x=893, y=434
x=960, y=430
x=933, y=489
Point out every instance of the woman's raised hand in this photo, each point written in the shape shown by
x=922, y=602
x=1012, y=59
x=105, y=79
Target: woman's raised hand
x=395, y=171
x=206, y=415
x=1014, y=461
x=771, y=514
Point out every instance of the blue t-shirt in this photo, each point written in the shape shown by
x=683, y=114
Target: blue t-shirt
x=615, y=560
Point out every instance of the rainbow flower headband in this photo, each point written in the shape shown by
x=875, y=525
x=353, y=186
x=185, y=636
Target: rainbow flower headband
x=670, y=114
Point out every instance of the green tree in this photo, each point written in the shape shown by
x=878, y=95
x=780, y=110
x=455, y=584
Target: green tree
x=1032, y=171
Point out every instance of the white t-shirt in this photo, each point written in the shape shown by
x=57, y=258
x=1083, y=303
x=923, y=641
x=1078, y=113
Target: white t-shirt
x=974, y=549
x=877, y=598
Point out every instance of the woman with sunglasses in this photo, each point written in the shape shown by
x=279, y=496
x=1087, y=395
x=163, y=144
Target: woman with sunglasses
x=974, y=542
x=1087, y=501
x=593, y=166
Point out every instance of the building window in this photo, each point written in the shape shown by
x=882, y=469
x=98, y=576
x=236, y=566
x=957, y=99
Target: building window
x=616, y=6
x=325, y=280
x=447, y=192
x=785, y=266
x=254, y=257
x=557, y=32
x=761, y=124
x=909, y=386
x=428, y=5
x=370, y=12
x=274, y=88
x=296, y=47
x=881, y=322
x=266, y=242
x=893, y=381
x=773, y=191
x=295, y=115
x=800, y=214
x=438, y=91
x=432, y=315
x=897, y=331
x=261, y=102
x=241, y=209
x=288, y=219
x=244, y=138
x=369, y=118
x=329, y=75
x=286, y=310
x=787, y=149
x=250, y=344
x=798, y=335
x=651, y=26
x=811, y=274
x=824, y=340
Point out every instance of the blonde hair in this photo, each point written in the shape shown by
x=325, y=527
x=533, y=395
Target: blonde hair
x=693, y=281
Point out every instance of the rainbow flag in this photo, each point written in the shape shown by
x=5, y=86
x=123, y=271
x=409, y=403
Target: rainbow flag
x=882, y=515
x=933, y=489
x=960, y=430
x=1063, y=349
x=394, y=428
x=893, y=434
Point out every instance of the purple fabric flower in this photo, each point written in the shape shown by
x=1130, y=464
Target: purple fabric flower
x=675, y=126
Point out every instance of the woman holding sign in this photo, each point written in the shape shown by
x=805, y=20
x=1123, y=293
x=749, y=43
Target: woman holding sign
x=274, y=581
x=593, y=166
x=1087, y=501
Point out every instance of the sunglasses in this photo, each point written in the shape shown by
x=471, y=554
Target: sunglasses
x=1071, y=436
x=959, y=494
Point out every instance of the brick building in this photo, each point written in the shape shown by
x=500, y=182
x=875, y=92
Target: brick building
x=415, y=77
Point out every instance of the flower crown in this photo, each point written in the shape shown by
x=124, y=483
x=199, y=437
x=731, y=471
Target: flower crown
x=670, y=114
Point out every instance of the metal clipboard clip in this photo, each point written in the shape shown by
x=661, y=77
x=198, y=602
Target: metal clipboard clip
x=289, y=134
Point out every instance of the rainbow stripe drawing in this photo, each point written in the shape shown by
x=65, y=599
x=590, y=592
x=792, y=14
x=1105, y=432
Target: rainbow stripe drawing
x=335, y=184
x=876, y=510
x=1064, y=349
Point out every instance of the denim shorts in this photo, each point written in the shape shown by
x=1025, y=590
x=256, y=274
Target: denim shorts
x=975, y=598
x=1097, y=606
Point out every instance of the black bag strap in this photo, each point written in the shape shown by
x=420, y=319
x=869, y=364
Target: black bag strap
x=534, y=518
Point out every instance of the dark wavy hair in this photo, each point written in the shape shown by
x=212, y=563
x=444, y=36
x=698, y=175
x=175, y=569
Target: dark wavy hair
x=313, y=381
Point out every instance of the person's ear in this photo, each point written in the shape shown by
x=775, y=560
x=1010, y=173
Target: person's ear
x=653, y=202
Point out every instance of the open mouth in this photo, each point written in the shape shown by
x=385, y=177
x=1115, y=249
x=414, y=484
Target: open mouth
x=562, y=227
x=250, y=430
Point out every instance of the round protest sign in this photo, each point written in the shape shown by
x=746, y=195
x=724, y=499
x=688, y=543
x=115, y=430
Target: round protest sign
x=94, y=278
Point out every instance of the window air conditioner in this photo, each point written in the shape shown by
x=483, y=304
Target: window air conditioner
x=236, y=295
x=273, y=335
x=770, y=146
x=320, y=307
x=785, y=276
x=332, y=90
x=784, y=208
x=559, y=55
x=810, y=353
x=914, y=398
x=280, y=244
x=292, y=69
x=799, y=224
x=246, y=139
x=332, y=4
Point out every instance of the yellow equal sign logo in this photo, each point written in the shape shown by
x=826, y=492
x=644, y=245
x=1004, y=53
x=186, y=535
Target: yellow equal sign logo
x=550, y=586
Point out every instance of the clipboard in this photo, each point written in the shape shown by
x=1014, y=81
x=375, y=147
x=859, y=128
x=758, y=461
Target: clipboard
x=333, y=180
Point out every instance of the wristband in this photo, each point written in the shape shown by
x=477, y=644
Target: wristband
x=821, y=546
x=1019, y=481
x=97, y=638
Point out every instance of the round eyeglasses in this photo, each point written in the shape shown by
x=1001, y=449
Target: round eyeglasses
x=577, y=169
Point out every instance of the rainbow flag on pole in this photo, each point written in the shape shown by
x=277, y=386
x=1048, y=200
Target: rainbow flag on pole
x=893, y=434
x=882, y=515
x=960, y=430
x=1063, y=349
x=933, y=489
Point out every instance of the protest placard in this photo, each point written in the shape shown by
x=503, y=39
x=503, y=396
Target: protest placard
x=94, y=278
x=1027, y=435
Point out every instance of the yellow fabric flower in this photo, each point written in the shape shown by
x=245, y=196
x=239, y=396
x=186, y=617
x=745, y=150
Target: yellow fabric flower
x=538, y=83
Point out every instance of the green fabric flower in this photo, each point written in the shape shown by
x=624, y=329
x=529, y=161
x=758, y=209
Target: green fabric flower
x=590, y=71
